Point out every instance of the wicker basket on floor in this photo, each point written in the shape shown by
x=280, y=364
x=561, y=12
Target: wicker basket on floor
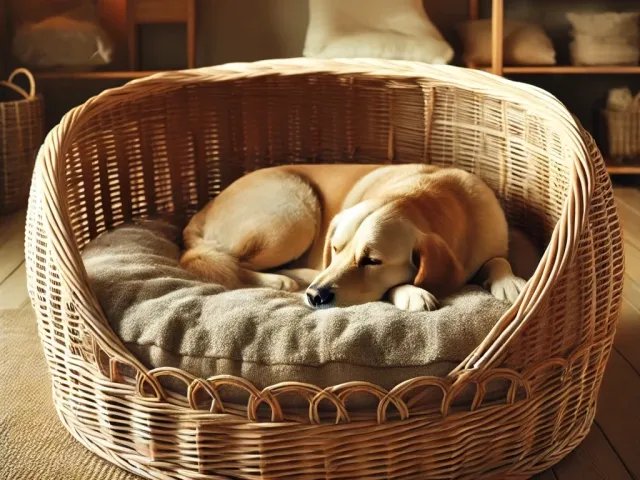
x=21, y=134
x=168, y=143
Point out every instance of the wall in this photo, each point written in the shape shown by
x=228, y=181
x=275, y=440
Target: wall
x=248, y=30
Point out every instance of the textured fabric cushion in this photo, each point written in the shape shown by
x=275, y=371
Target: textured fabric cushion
x=524, y=43
x=168, y=318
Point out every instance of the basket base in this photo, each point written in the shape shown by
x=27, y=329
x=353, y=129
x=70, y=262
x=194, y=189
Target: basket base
x=373, y=458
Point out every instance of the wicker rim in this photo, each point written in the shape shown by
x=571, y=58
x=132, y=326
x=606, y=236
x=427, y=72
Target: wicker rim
x=560, y=251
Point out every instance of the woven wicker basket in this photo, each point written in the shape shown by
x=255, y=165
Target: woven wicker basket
x=21, y=134
x=623, y=133
x=168, y=143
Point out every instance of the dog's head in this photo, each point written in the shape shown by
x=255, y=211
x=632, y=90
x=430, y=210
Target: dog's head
x=369, y=249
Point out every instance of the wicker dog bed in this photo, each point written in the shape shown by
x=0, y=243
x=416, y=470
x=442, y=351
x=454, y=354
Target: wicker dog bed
x=165, y=144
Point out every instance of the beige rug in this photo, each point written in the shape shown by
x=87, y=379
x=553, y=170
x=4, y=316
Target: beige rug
x=33, y=442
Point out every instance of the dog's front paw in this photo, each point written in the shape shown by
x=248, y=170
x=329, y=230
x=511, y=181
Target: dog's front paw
x=278, y=282
x=288, y=284
x=412, y=298
x=507, y=288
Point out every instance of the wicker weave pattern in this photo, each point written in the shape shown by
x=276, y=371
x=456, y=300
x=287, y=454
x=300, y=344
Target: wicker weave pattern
x=21, y=134
x=166, y=144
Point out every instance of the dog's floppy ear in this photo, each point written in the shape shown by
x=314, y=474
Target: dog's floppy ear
x=438, y=269
x=353, y=217
x=326, y=253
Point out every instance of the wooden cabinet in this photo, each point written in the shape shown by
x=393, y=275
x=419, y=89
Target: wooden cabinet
x=144, y=12
x=4, y=39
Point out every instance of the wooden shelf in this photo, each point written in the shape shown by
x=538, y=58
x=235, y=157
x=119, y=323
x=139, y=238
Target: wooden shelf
x=575, y=70
x=568, y=70
x=626, y=169
x=114, y=75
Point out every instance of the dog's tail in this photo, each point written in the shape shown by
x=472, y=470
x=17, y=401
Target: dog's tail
x=212, y=265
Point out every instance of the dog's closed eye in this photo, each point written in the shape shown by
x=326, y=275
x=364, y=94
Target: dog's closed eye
x=364, y=261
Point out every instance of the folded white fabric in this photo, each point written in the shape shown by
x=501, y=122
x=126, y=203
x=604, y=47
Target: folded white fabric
x=398, y=29
x=608, y=38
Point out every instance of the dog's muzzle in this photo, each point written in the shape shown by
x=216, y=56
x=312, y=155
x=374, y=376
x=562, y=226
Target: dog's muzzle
x=320, y=297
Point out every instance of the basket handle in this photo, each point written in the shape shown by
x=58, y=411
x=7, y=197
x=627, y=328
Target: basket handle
x=16, y=88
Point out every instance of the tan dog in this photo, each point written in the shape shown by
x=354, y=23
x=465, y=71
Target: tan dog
x=355, y=233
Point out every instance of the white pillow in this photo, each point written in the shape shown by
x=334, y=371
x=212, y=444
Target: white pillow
x=398, y=29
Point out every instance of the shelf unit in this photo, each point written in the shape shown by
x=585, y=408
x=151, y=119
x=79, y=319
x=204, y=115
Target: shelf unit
x=126, y=22
x=156, y=12
x=624, y=169
x=122, y=20
x=567, y=70
x=498, y=68
x=4, y=38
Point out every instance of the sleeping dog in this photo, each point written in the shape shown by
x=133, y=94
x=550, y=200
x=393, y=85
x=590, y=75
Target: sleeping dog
x=410, y=234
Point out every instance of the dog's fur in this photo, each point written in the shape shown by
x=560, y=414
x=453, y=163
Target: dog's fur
x=355, y=233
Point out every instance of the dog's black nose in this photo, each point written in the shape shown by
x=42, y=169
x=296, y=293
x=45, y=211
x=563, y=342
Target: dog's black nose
x=319, y=296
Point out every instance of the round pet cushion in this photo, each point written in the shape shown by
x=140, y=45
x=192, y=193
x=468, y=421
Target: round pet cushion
x=168, y=318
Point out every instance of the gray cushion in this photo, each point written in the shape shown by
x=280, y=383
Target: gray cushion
x=168, y=318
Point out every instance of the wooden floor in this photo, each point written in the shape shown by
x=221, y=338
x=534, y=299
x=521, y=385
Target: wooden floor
x=612, y=448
